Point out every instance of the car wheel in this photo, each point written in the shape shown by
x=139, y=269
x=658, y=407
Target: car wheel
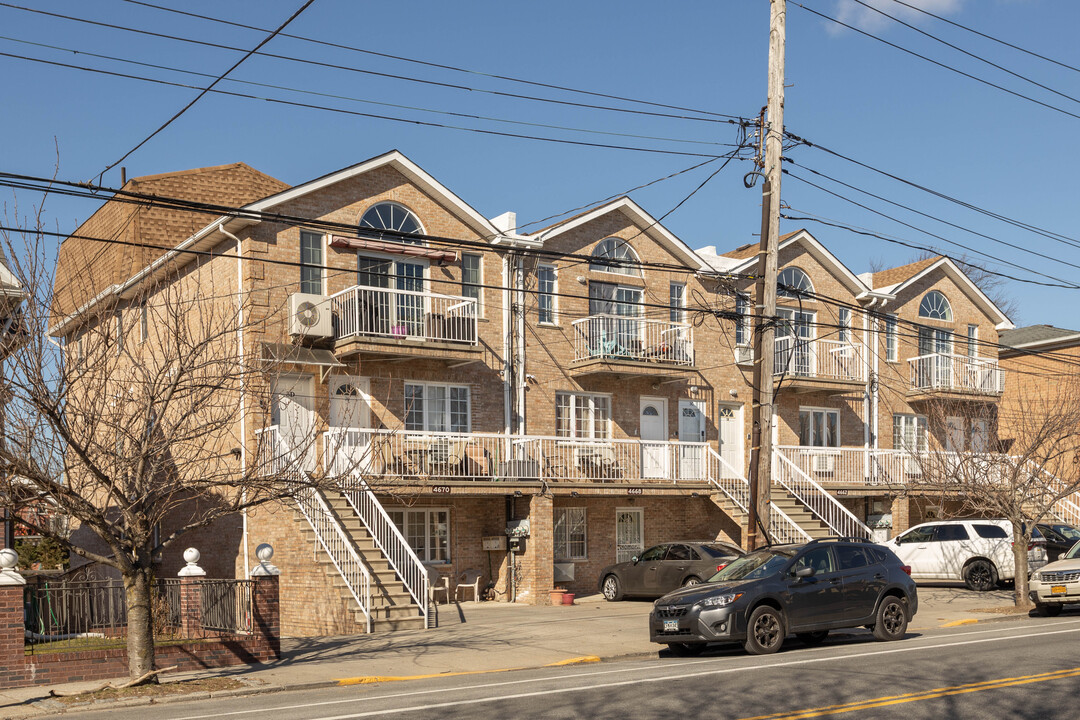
x=612, y=588
x=891, y=619
x=692, y=580
x=764, y=631
x=1047, y=610
x=813, y=638
x=686, y=649
x=980, y=575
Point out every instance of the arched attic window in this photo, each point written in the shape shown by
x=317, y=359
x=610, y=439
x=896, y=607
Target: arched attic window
x=793, y=283
x=935, y=306
x=391, y=216
x=617, y=257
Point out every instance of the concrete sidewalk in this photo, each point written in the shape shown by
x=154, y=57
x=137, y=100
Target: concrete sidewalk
x=488, y=637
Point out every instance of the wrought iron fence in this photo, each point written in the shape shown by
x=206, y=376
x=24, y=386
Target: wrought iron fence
x=226, y=605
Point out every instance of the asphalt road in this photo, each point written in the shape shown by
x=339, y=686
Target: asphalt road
x=1026, y=669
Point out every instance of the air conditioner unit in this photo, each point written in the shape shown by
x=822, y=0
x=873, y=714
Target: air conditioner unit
x=310, y=316
x=744, y=354
x=824, y=463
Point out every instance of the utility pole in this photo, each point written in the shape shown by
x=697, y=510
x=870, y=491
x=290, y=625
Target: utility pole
x=765, y=288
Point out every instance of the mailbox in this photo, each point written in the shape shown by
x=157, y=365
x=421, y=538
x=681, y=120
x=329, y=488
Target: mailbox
x=494, y=542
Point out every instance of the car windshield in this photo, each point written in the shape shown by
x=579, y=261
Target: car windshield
x=1068, y=531
x=758, y=564
x=1074, y=552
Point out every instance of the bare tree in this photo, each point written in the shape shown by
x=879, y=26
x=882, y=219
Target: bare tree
x=1019, y=462
x=994, y=286
x=127, y=415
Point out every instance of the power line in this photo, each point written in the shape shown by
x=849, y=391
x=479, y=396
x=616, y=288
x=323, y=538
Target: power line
x=208, y=88
x=364, y=101
x=407, y=78
x=440, y=66
x=939, y=64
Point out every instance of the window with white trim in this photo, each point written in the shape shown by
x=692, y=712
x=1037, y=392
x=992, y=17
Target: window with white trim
x=677, y=302
x=909, y=433
x=617, y=257
x=973, y=341
x=890, y=338
x=742, y=323
x=546, y=282
x=144, y=322
x=311, y=260
x=935, y=306
x=391, y=216
x=471, y=275
x=427, y=530
x=844, y=317
x=583, y=416
x=792, y=282
x=819, y=427
x=437, y=408
x=119, y=331
x=569, y=541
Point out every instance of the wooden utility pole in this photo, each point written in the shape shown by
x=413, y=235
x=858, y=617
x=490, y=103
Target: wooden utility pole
x=765, y=287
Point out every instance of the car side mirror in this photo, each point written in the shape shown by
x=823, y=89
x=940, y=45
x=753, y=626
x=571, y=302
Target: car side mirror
x=896, y=541
x=805, y=572
x=634, y=560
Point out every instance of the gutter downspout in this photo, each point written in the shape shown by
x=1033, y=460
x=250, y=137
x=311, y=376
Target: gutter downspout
x=243, y=388
x=519, y=341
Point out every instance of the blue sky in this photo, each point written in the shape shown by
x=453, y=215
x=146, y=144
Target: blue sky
x=847, y=92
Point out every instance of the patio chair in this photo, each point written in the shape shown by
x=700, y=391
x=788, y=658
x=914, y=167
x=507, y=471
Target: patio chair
x=445, y=457
x=438, y=583
x=468, y=580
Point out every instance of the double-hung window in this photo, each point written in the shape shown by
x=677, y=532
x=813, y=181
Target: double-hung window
x=582, y=416
x=742, y=322
x=426, y=530
x=437, y=408
x=471, y=276
x=844, y=332
x=569, y=542
x=819, y=427
x=546, y=289
x=311, y=261
x=677, y=302
x=890, y=338
x=973, y=341
x=144, y=322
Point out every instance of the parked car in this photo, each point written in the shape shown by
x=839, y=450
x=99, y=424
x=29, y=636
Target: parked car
x=807, y=589
x=978, y=552
x=1056, y=584
x=664, y=567
x=1058, y=537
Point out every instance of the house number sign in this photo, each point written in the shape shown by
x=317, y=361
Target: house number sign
x=635, y=491
x=440, y=489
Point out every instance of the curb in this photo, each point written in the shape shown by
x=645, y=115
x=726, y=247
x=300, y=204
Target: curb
x=372, y=679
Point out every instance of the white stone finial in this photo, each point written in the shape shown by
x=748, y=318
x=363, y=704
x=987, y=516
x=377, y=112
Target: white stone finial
x=264, y=552
x=192, y=569
x=8, y=560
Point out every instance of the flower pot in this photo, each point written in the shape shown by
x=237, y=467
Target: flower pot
x=556, y=596
x=568, y=598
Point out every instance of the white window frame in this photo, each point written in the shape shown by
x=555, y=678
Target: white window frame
x=552, y=294
x=844, y=322
x=428, y=553
x=317, y=266
x=576, y=401
x=921, y=432
x=742, y=323
x=570, y=536
x=677, y=302
x=973, y=340
x=633, y=267
x=824, y=411
x=144, y=322
x=427, y=417
x=119, y=315
x=478, y=285
x=891, y=352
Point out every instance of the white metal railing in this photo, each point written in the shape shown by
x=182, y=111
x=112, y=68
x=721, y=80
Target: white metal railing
x=731, y=482
x=346, y=450
x=363, y=311
x=618, y=337
x=961, y=373
x=817, y=499
x=337, y=544
x=393, y=545
x=854, y=465
x=830, y=359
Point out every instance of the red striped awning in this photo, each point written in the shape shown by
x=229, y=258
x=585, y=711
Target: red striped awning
x=437, y=257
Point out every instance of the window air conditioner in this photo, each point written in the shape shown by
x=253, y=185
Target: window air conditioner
x=824, y=463
x=310, y=316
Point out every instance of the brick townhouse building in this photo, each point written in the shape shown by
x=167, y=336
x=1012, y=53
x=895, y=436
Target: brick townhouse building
x=526, y=408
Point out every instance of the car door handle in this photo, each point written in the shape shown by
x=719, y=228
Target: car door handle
x=921, y=547
x=834, y=580
x=879, y=576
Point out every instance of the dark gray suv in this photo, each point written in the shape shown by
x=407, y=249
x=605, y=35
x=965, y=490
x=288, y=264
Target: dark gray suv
x=806, y=589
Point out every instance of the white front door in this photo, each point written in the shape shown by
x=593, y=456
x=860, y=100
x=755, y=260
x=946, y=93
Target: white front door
x=730, y=424
x=654, y=434
x=350, y=418
x=293, y=413
x=629, y=533
x=691, y=439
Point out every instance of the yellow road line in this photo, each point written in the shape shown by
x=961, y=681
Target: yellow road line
x=371, y=679
x=958, y=623
x=922, y=695
x=575, y=661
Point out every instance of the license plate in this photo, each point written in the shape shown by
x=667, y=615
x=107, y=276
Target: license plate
x=1058, y=590
x=671, y=626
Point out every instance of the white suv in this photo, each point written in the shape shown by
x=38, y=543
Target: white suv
x=979, y=552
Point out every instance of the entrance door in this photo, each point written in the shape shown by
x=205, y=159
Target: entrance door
x=691, y=439
x=629, y=533
x=350, y=418
x=730, y=422
x=654, y=434
x=293, y=413
x=794, y=343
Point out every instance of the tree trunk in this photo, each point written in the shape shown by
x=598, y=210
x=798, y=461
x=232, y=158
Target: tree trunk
x=140, y=624
x=1020, y=562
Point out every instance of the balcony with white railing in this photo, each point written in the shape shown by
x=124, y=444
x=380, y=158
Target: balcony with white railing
x=819, y=363
x=392, y=318
x=602, y=341
x=945, y=373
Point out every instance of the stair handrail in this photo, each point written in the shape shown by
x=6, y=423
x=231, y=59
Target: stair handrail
x=817, y=499
x=337, y=544
x=1064, y=508
x=782, y=529
x=393, y=545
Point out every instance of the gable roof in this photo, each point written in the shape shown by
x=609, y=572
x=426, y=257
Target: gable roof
x=913, y=273
x=892, y=276
x=1033, y=337
x=637, y=214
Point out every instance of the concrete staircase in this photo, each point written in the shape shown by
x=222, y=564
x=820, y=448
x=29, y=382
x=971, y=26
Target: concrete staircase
x=783, y=500
x=392, y=607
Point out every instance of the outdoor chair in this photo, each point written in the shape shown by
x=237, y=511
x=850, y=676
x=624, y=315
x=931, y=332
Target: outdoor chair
x=468, y=580
x=438, y=583
x=445, y=458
